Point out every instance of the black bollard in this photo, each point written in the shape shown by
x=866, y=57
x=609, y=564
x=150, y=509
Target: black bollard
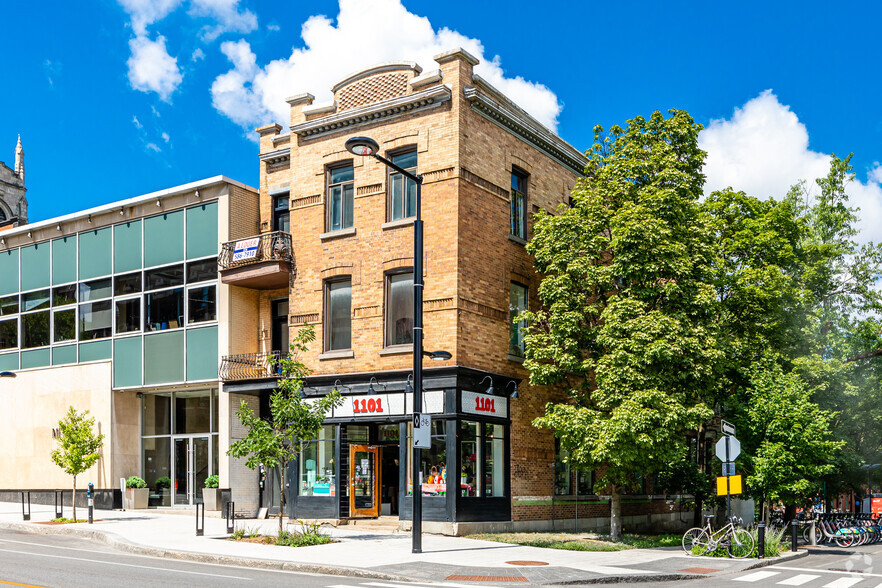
x=231, y=517
x=200, y=531
x=26, y=515
x=794, y=526
x=761, y=540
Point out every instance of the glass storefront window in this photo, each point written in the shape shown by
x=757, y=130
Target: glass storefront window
x=192, y=411
x=316, y=465
x=482, y=459
x=468, y=458
x=156, y=457
x=433, y=461
x=156, y=414
x=493, y=460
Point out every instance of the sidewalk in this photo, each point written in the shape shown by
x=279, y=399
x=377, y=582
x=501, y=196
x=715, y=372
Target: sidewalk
x=375, y=555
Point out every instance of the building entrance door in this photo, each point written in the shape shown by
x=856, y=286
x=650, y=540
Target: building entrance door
x=364, y=481
x=191, y=459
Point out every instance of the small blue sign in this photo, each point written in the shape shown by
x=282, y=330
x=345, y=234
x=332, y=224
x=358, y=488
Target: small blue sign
x=728, y=468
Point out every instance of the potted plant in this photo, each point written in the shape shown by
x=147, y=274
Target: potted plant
x=211, y=494
x=137, y=493
x=163, y=486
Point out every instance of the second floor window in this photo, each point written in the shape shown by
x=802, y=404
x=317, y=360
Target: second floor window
x=341, y=188
x=281, y=215
x=402, y=190
x=519, y=204
x=399, y=309
x=338, y=315
x=517, y=304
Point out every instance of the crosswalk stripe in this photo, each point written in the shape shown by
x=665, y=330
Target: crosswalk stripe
x=756, y=576
x=843, y=583
x=798, y=580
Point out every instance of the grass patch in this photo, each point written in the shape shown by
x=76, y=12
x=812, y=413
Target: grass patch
x=308, y=534
x=65, y=520
x=581, y=541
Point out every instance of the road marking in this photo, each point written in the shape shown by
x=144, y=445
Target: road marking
x=843, y=583
x=823, y=571
x=113, y=563
x=756, y=576
x=17, y=584
x=402, y=584
x=798, y=580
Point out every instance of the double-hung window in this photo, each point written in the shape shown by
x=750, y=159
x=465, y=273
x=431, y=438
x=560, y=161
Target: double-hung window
x=399, y=309
x=341, y=192
x=281, y=214
x=402, y=190
x=517, y=305
x=338, y=315
x=518, y=204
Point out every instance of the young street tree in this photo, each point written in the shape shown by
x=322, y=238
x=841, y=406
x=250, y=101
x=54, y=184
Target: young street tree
x=78, y=447
x=293, y=421
x=628, y=323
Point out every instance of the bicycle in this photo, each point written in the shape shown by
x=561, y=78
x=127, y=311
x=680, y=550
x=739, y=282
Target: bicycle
x=700, y=540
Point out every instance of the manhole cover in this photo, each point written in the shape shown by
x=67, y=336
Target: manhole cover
x=464, y=578
x=700, y=570
x=527, y=563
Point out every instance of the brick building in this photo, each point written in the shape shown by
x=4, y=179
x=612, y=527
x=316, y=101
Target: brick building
x=487, y=165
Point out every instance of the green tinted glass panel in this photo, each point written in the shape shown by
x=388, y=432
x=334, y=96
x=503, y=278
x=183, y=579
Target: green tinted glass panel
x=202, y=354
x=8, y=361
x=95, y=253
x=34, y=359
x=64, y=260
x=202, y=230
x=63, y=355
x=127, y=362
x=164, y=358
x=127, y=246
x=164, y=238
x=9, y=271
x=94, y=351
x=35, y=266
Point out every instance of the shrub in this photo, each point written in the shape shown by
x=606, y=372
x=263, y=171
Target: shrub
x=162, y=483
x=212, y=481
x=135, y=482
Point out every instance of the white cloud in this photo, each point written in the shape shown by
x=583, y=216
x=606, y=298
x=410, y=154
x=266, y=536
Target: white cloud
x=165, y=137
x=151, y=68
x=153, y=147
x=136, y=122
x=146, y=12
x=251, y=95
x=227, y=16
x=198, y=55
x=273, y=27
x=763, y=149
x=155, y=112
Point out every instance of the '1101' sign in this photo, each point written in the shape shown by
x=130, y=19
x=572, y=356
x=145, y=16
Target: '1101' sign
x=485, y=404
x=372, y=405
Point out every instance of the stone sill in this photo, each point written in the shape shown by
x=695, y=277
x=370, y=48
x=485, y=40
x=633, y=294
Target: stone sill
x=515, y=358
x=346, y=354
x=404, y=222
x=516, y=239
x=397, y=350
x=337, y=234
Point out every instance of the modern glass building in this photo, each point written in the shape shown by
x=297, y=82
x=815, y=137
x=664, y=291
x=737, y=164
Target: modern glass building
x=118, y=310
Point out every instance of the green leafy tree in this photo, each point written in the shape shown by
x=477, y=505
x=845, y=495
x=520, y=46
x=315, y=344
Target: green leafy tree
x=628, y=323
x=78, y=446
x=293, y=422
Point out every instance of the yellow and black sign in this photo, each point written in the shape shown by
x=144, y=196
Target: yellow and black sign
x=734, y=485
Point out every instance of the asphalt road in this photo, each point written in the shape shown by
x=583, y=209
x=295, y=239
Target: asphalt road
x=859, y=567
x=59, y=561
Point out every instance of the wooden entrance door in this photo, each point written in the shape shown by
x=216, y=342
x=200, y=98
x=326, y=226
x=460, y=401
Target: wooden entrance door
x=364, y=481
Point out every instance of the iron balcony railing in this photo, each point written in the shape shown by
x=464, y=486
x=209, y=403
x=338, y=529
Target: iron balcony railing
x=275, y=246
x=249, y=366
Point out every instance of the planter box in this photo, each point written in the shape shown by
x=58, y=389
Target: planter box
x=136, y=498
x=211, y=497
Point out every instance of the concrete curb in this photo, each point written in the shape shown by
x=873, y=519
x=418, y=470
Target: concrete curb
x=113, y=540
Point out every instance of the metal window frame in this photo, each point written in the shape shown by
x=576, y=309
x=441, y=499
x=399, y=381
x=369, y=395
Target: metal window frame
x=329, y=186
x=326, y=307
x=390, y=173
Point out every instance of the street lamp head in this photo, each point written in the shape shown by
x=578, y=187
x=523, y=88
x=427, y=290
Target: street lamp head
x=362, y=146
x=439, y=355
x=7, y=374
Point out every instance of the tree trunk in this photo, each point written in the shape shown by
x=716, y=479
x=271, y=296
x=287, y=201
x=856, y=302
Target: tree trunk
x=282, y=469
x=73, y=500
x=615, y=515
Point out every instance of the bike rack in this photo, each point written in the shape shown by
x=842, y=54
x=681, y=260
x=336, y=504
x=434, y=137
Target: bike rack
x=26, y=515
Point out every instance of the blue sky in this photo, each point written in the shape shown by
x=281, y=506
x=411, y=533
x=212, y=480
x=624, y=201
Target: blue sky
x=119, y=98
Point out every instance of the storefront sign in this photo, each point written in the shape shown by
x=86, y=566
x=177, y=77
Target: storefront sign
x=383, y=405
x=484, y=404
x=876, y=506
x=246, y=249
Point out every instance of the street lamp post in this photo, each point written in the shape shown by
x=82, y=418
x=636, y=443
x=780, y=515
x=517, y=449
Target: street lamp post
x=368, y=147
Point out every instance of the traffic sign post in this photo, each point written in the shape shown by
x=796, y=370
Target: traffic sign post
x=422, y=431
x=728, y=448
x=727, y=428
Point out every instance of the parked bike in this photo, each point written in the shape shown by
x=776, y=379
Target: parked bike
x=737, y=542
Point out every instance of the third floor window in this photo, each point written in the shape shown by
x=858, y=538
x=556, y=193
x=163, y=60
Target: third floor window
x=519, y=204
x=402, y=190
x=281, y=215
x=341, y=191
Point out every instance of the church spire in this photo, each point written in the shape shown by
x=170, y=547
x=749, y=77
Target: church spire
x=19, y=160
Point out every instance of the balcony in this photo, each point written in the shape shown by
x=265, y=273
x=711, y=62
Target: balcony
x=248, y=366
x=264, y=262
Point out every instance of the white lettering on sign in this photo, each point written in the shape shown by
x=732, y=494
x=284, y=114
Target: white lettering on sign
x=246, y=249
x=475, y=403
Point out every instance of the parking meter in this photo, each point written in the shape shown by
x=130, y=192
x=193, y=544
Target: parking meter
x=90, y=496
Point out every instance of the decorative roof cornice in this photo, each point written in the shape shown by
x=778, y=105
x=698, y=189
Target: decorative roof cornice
x=526, y=128
x=377, y=69
x=276, y=156
x=370, y=113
